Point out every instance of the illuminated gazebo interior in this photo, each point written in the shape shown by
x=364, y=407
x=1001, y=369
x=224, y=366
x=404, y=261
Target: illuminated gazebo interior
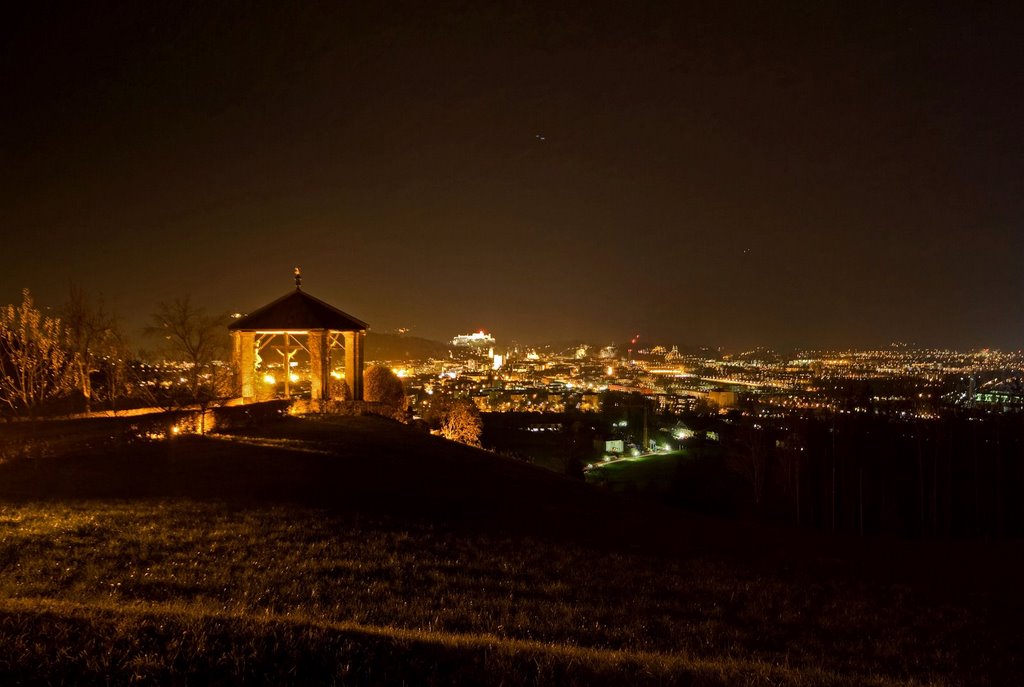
x=298, y=324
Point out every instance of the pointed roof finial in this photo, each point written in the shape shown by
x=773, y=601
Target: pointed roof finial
x=298, y=279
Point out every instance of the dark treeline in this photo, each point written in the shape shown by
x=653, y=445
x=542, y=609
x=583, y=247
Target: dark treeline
x=954, y=473
x=958, y=475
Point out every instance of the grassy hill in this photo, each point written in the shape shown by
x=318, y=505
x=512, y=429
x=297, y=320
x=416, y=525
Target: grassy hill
x=359, y=551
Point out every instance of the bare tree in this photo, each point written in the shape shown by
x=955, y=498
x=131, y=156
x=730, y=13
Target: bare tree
x=790, y=456
x=90, y=328
x=115, y=377
x=36, y=364
x=463, y=423
x=748, y=456
x=199, y=343
x=382, y=385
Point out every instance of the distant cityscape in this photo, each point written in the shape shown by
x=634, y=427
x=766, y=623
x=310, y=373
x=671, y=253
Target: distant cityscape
x=901, y=379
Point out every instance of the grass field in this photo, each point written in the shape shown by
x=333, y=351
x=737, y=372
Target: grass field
x=357, y=551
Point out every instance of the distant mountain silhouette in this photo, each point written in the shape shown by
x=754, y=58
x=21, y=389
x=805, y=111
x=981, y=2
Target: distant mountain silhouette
x=398, y=347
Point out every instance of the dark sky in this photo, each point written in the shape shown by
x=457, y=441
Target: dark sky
x=772, y=174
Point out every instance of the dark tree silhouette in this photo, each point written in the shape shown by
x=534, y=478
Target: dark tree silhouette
x=91, y=331
x=199, y=343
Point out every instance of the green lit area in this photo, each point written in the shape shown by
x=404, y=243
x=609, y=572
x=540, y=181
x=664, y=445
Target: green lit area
x=657, y=472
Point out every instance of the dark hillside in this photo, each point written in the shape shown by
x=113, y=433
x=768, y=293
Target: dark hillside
x=359, y=464
x=373, y=465
x=359, y=550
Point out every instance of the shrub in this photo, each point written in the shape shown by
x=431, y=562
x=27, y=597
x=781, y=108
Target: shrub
x=381, y=385
x=463, y=423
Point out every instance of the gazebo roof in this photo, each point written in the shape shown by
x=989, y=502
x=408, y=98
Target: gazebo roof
x=298, y=311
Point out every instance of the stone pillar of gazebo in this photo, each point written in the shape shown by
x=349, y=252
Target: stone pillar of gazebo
x=354, y=363
x=243, y=357
x=319, y=365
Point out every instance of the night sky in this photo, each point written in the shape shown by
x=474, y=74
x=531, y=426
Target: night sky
x=778, y=174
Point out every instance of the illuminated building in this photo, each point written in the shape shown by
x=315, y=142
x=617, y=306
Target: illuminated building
x=293, y=323
x=478, y=339
x=722, y=398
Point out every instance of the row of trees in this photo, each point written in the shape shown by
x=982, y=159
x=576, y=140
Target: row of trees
x=81, y=357
x=960, y=474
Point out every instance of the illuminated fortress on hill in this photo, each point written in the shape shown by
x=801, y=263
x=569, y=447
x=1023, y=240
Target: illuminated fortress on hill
x=477, y=339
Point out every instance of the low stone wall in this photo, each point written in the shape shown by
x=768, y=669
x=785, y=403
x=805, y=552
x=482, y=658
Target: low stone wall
x=249, y=414
x=211, y=420
x=77, y=435
x=53, y=437
x=348, y=409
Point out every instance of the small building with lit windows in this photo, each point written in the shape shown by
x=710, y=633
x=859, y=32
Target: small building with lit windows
x=298, y=323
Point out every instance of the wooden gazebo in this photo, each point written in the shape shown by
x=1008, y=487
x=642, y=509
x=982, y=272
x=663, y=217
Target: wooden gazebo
x=299, y=322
